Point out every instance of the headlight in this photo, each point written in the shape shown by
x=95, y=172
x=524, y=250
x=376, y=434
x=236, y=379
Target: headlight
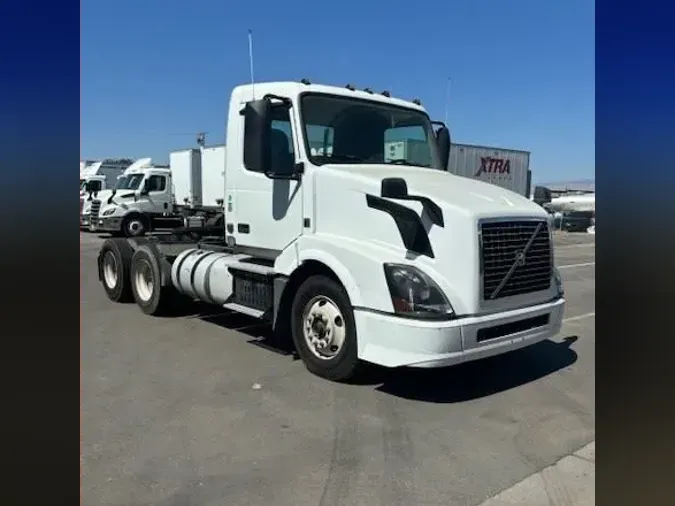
x=109, y=211
x=558, y=281
x=415, y=294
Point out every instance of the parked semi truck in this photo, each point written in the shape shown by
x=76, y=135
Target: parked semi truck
x=356, y=258
x=88, y=199
x=157, y=198
x=101, y=175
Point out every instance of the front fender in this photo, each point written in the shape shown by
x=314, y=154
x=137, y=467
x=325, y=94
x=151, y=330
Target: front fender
x=350, y=260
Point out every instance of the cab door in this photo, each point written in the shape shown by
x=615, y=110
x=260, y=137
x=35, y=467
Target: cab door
x=157, y=196
x=264, y=214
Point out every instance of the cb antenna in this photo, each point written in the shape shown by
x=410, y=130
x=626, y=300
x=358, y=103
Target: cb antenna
x=447, y=101
x=250, y=60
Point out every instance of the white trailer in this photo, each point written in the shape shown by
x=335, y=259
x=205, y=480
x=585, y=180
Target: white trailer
x=508, y=168
x=199, y=176
x=357, y=259
x=213, y=175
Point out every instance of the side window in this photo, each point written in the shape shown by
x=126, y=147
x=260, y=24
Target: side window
x=282, y=152
x=157, y=184
x=282, y=157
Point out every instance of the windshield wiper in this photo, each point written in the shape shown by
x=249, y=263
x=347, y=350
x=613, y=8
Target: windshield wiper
x=403, y=161
x=340, y=158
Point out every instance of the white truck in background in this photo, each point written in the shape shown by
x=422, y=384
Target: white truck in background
x=358, y=259
x=157, y=198
x=101, y=175
x=87, y=200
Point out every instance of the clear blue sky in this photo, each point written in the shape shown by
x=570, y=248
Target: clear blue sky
x=154, y=72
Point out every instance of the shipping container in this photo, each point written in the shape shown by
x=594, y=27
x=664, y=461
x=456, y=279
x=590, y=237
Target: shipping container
x=213, y=175
x=508, y=168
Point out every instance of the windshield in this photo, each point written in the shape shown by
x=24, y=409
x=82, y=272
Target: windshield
x=121, y=181
x=343, y=130
x=132, y=182
x=92, y=185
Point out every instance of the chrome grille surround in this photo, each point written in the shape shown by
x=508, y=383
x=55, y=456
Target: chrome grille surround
x=95, y=209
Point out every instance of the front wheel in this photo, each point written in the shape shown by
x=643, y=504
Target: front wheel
x=323, y=329
x=135, y=225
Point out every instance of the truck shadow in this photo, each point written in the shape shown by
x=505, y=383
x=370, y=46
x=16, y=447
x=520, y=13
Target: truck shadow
x=459, y=383
x=481, y=378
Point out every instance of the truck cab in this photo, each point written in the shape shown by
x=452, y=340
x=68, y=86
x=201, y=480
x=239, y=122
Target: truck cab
x=145, y=193
x=359, y=255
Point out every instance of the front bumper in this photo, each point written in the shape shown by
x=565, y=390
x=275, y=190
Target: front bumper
x=392, y=341
x=108, y=224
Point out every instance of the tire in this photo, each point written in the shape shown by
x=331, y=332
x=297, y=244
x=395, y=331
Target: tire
x=114, y=262
x=135, y=225
x=340, y=365
x=145, y=279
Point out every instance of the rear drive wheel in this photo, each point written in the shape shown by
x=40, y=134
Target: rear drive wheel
x=146, y=283
x=114, y=260
x=135, y=225
x=323, y=329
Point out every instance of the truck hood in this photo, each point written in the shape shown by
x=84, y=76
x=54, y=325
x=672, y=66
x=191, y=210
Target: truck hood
x=459, y=194
x=103, y=196
x=453, y=256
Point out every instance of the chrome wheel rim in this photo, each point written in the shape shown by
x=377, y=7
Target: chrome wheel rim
x=144, y=281
x=323, y=327
x=110, y=269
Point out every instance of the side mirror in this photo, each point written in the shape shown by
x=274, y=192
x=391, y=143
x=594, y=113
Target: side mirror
x=146, y=188
x=443, y=141
x=394, y=188
x=257, y=126
x=542, y=195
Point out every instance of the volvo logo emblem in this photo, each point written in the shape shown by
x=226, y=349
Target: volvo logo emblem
x=520, y=258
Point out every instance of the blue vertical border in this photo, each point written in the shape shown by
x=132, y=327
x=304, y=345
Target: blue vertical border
x=39, y=150
x=635, y=137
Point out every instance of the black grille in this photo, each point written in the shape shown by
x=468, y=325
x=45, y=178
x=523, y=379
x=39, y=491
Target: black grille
x=95, y=208
x=503, y=244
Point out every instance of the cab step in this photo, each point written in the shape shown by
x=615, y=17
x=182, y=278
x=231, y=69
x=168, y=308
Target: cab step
x=252, y=289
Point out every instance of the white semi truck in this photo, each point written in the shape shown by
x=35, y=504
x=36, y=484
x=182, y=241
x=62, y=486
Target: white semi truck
x=87, y=200
x=357, y=259
x=155, y=198
x=101, y=175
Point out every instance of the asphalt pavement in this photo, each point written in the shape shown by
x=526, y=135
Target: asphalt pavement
x=190, y=410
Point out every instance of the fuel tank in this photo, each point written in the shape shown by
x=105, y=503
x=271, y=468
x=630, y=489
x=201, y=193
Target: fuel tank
x=204, y=275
